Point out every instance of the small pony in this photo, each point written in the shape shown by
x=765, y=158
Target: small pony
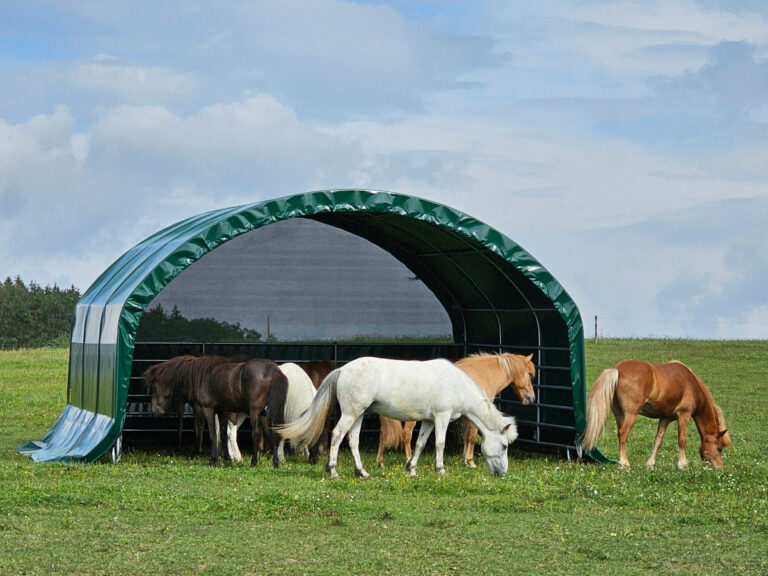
x=668, y=392
x=217, y=387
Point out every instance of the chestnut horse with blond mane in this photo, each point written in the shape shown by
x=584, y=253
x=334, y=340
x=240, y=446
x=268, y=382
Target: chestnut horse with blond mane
x=668, y=392
x=492, y=373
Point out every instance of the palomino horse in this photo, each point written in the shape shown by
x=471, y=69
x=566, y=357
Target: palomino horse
x=668, y=392
x=434, y=392
x=493, y=373
x=221, y=388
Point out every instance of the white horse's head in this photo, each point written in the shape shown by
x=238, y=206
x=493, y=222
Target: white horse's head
x=494, y=447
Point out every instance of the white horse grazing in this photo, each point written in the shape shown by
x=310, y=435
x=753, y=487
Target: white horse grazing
x=434, y=392
x=301, y=392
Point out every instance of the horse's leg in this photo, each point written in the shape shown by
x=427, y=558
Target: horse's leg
x=281, y=450
x=313, y=453
x=339, y=431
x=199, y=421
x=441, y=425
x=470, y=439
x=663, y=423
x=682, y=430
x=407, y=435
x=380, y=453
x=625, y=424
x=354, y=446
x=233, y=438
x=232, y=427
x=421, y=441
x=180, y=416
x=210, y=419
x=255, y=413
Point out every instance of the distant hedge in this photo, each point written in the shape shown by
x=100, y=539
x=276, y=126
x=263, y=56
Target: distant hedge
x=34, y=316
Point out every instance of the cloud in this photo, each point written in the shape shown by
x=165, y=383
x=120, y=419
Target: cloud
x=136, y=83
x=696, y=272
x=732, y=84
x=68, y=195
x=622, y=143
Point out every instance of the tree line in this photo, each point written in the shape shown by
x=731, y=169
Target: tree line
x=32, y=316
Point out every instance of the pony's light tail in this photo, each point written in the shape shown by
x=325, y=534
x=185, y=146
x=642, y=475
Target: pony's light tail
x=599, y=406
x=392, y=432
x=305, y=431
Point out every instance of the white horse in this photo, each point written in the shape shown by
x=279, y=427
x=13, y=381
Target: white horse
x=434, y=392
x=301, y=392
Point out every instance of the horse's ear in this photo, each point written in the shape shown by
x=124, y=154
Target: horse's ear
x=529, y=357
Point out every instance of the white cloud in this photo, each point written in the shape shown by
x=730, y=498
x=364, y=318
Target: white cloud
x=619, y=142
x=130, y=81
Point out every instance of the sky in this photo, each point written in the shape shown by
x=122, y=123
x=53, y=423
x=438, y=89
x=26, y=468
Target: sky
x=624, y=144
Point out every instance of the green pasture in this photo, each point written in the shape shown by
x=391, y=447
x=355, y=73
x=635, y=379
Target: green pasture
x=163, y=513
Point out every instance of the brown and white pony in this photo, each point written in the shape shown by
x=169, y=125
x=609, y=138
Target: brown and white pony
x=492, y=373
x=668, y=392
x=218, y=387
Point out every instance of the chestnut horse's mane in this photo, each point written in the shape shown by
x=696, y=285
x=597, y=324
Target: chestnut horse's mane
x=719, y=417
x=514, y=364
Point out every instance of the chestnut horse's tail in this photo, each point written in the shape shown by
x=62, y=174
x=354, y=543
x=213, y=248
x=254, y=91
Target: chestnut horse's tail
x=599, y=406
x=305, y=431
x=392, y=433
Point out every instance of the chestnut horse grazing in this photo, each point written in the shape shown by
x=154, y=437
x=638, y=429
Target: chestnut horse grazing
x=668, y=392
x=434, y=392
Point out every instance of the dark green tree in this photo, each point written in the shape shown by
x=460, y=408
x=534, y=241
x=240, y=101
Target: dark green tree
x=33, y=315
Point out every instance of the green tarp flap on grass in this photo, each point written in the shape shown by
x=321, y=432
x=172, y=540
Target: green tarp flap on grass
x=494, y=292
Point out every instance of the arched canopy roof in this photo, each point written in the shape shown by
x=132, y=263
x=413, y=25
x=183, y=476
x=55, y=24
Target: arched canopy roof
x=494, y=292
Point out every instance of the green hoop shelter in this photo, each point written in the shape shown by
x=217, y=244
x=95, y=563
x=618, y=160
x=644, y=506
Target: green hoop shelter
x=496, y=295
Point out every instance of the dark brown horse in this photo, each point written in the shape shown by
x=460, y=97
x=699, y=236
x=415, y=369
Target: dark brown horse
x=177, y=375
x=668, y=392
x=218, y=387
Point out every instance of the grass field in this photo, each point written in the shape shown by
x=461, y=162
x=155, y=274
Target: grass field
x=160, y=513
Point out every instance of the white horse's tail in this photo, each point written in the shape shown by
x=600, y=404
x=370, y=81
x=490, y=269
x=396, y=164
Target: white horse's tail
x=599, y=405
x=307, y=428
